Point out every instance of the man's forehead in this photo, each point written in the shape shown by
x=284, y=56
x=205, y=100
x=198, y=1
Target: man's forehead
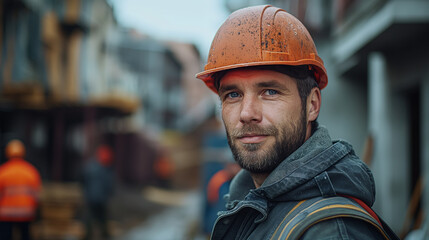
x=241, y=75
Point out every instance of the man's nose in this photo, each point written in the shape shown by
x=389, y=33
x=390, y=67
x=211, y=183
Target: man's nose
x=250, y=110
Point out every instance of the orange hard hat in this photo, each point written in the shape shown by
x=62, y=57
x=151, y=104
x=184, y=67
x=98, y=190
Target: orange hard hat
x=104, y=155
x=15, y=148
x=262, y=35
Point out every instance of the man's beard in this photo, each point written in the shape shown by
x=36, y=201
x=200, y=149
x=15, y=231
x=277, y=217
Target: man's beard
x=254, y=158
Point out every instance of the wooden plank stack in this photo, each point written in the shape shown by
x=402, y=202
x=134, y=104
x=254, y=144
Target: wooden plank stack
x=60, y=204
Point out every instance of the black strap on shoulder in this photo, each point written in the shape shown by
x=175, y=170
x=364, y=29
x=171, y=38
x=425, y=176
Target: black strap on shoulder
x=325, y=185
x=310, y=212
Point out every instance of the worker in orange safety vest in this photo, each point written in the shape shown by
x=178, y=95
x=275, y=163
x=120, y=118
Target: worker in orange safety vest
x=20, y=185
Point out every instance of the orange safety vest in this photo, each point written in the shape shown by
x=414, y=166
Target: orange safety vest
x=19, y=188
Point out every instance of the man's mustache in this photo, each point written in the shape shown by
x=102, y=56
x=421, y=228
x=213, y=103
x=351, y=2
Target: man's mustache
x=251, y=129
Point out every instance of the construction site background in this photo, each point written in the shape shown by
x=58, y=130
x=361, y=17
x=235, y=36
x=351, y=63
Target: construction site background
x=72, y=78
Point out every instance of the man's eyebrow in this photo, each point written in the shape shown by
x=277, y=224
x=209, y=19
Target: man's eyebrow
x=224, y=88
x=272, y=84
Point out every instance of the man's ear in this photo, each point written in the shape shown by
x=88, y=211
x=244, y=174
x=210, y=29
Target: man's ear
x=314, y=100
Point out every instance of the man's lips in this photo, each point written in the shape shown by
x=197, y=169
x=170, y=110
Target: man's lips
x=252, y=138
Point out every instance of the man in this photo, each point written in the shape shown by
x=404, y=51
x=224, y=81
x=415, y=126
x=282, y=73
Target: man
x=98, y=188
x=19, y=189
x=296, y=183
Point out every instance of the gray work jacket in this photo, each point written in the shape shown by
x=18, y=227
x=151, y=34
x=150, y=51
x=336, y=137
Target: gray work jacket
x=319, y=168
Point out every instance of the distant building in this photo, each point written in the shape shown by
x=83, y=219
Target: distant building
x=199, y=103
x=56, y=83
x=159, y=79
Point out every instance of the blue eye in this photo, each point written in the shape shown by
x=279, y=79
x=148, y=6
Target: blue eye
x=271, y=92
x=233, y=95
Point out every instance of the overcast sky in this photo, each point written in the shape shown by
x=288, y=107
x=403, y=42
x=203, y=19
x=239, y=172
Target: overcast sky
x=194, y=21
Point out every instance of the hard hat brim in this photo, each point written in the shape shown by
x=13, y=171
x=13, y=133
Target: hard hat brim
x=321, y=76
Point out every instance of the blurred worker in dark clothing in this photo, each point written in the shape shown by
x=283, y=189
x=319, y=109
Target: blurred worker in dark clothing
x=217, y=187
x=164, y=169
x=98, y=188
x=19, y=189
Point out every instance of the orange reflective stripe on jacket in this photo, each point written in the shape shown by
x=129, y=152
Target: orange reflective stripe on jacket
x=19, y=187
x=19, y=190
x=17, y=213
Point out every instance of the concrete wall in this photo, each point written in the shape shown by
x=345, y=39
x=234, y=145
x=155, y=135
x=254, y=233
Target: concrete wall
x=344, y=105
